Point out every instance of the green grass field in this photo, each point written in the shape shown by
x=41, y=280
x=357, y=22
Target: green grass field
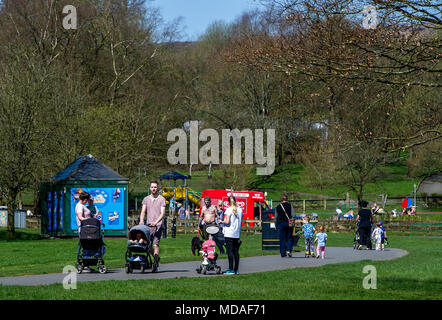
x=415, y=276
x=291, y=178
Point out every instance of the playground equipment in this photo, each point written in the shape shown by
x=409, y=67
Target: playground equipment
x=180, y=193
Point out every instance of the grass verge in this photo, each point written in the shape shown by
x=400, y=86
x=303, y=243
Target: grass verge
x=415, y=276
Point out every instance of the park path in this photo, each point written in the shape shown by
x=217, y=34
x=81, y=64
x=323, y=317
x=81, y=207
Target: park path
x=187, y=269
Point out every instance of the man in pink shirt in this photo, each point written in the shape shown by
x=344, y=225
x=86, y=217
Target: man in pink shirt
x=154, y=209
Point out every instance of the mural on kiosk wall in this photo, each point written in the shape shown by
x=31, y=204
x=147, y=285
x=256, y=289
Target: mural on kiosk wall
x=107, y=205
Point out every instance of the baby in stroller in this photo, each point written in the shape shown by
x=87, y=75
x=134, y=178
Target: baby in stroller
x=209, y=253
x=91, y=247
x=138, y=249
x=139, y=238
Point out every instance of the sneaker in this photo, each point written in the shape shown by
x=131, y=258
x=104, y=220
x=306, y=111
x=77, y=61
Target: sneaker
x=317, y=257
x=228, y=271
x=289, y=254
x=236, y=272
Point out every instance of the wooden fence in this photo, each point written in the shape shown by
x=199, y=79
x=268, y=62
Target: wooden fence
x=190, y=226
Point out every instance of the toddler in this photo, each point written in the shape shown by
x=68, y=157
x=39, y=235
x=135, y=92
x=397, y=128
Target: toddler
x=377, y=235
x=384, y=236
x=309, y=230
x=321, y=237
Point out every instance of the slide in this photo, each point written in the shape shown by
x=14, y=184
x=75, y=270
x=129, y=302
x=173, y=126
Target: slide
x=194, y=197
x=180, y=194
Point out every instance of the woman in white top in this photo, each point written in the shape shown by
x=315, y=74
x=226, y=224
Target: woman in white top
x=232, y=231
x=81, y=211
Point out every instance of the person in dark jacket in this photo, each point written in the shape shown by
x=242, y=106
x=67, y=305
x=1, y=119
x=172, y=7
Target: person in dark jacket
x=285, y=233
x=365, y=221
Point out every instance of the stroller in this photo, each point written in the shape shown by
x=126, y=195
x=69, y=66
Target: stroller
x=91, y=247
x=138, y=254
x=356, y=239
x=208, y=253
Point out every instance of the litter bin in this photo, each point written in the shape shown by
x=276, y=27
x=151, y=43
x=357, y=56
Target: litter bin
x=20, y=219
x=270, y=237
x=270, y=240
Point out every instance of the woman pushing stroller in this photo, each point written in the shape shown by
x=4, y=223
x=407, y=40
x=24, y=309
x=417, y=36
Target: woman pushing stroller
x=91, y=247
x=232, y=231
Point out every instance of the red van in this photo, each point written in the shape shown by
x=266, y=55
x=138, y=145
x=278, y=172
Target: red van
x=252, y=203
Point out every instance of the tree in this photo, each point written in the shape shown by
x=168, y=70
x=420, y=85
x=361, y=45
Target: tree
x=24, y=90
x=62, y=88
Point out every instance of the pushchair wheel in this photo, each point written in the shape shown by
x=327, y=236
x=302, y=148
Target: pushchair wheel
x=79, y=268
x=142, y=268
x=204, y=271
x=218, y=270
x=198, y=270
x=102, y=269
x=128, y=269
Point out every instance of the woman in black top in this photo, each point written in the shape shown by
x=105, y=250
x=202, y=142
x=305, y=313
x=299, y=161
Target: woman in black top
x=283, y=211
x=364, y=220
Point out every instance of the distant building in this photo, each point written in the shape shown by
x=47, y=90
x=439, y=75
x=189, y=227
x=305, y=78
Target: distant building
x=431, y=185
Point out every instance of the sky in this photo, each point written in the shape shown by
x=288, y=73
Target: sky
x=199, y=14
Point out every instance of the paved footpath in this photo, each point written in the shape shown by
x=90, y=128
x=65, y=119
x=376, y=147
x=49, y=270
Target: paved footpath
x=333, y=255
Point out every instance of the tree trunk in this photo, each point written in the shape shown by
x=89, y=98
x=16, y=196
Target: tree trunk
x=360, y=195
x=280, y=154
x=12, y=203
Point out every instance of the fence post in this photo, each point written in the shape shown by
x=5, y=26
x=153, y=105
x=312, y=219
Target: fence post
x=325, y=204
x=303, y=206
x=174, y=227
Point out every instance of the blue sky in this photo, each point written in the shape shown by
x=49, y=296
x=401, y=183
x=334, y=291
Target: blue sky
x=198, y=14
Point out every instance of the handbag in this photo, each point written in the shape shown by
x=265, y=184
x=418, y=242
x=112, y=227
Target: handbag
x=291, y=221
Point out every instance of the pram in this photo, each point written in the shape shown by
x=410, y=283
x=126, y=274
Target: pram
x=209, y=253
x=356, y=238
x=91, y=247
x=138, y=254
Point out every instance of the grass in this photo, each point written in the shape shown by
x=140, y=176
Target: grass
x=52, y=255
x=415, y=276
x=291, y=178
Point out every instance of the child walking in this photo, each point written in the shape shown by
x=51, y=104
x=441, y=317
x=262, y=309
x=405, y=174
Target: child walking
x=309, y=230
x=321, y=237
x=377, y=236
x=384, y=236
